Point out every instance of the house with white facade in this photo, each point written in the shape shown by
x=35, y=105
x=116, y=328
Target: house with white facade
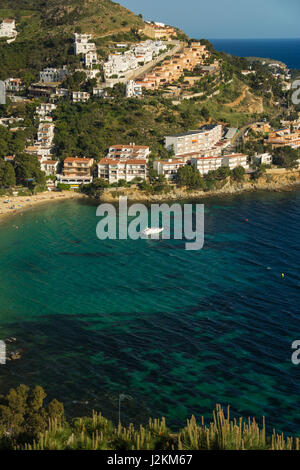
x=8, y=28
x=13, y=84
x=263, y=159
x=114, y=170
x=45, y=109
x=118, y=64
x=45, y=134
x=206, y=164
x=133, y=89
x=99, y=92
x=52, y=75
x=60, y=92
x=236, y=159
x=80, y=96
x=49, y=166
x=91, y=59
x=82, y=44
x=168, y=168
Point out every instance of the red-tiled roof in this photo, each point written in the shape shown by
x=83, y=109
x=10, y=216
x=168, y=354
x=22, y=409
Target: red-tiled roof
x=120, y=147
x=49, y=162
x=78, y=160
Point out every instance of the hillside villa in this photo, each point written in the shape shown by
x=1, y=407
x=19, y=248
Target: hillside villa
x=158, y=31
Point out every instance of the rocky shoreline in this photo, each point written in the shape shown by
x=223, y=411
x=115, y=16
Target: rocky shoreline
x=275, y=180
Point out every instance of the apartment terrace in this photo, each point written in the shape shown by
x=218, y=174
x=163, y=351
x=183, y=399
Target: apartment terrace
x=283, y=138
x=123, y=152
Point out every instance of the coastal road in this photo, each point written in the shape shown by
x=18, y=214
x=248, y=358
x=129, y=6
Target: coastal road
x=178, y=46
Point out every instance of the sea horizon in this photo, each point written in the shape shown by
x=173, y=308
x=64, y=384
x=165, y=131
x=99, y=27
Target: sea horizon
x=286, y=50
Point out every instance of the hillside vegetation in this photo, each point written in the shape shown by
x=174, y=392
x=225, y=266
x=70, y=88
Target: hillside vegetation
x=45, y=31
x=26, y=423
x=91, y=16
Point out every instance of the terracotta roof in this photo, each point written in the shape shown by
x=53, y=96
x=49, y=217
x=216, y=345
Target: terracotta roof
x=49, y=162
x=78, y=160
x=119, y=147
x=108, y=161
x=136, y=162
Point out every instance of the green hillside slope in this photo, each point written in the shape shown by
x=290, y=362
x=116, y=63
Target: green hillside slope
x=45, y=30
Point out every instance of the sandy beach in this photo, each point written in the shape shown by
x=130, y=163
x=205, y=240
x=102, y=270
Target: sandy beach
x=15, y=205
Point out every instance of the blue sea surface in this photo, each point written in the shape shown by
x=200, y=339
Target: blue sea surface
x=177, y=330
x=284, y=50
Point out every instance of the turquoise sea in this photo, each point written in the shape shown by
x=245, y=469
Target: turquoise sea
x=176, y=330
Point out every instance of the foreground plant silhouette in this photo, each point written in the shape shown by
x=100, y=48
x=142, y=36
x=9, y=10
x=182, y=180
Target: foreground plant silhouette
x=25, y=424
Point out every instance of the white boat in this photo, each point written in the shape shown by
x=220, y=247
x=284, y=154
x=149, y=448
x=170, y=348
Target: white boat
x=152, y=231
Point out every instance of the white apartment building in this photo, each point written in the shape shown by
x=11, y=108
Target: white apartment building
x=114, y=170
x=236, y=159
x=131, y=151
x=118, y=64
x=206, y=164
x=80, y=96
x=82, y=44
x=99, y=92
x=194, y=141
x=169, y=167
x=49, y=74
x=61, y=92
x=8, y=28
x=263, y=159
x=45, y=134
x=149, y=49
x=133, y=89
x=49, y=166
x=91, y=59
x=45, y=108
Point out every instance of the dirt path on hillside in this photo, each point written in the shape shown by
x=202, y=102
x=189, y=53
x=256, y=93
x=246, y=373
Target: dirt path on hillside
x=239, y=99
